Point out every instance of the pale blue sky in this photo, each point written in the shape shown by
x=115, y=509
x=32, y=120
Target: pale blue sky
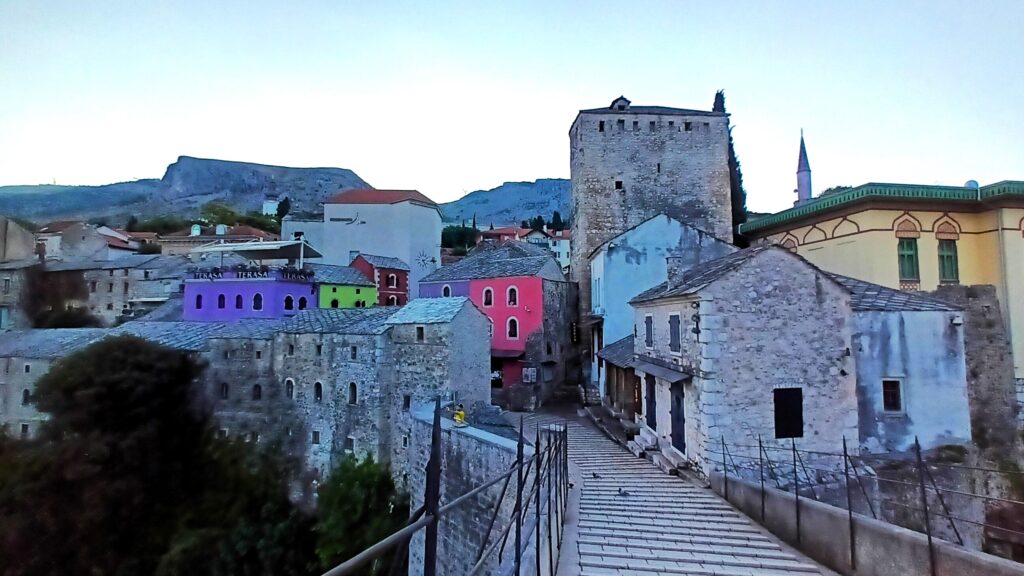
x=449, y=97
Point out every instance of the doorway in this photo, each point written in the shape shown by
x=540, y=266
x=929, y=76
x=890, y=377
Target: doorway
x=678, y=418
x=650, y=404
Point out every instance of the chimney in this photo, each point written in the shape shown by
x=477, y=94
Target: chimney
x=675, y=267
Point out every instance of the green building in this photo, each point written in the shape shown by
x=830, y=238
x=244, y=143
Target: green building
x=343, y=287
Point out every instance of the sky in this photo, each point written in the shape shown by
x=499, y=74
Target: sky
x=451, y=97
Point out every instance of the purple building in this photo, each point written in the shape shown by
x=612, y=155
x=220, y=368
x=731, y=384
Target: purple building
x=445, y=289
x=217, y=295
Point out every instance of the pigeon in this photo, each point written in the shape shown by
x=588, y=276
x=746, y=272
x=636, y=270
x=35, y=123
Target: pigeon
x=623, y=492
x=595, y=474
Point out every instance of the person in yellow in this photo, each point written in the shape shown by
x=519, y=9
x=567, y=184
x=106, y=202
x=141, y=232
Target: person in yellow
x=460, y=415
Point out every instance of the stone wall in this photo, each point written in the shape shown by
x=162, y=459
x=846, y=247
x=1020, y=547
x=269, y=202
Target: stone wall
x=469, y=457
x=12, y=283
x=18, y=375
x=621, y=177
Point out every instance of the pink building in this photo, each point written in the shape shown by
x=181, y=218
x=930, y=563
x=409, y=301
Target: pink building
x=522, y=290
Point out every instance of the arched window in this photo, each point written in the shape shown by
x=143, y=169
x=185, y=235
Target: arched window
x=488, y=297
x=392, y=300
x=302, y=303
x=289, y=388
x=238, y=302
x=224, y=390
x=318, y=392
x=257, y=392
x=513, y=296
x=222, y=301
x=392, y=281
x=446, y=291
x=257, y=301
x=512, y=328
x=334, y=303
x=199, y=301
x=26, y=397
x=353, y=398
x=289, y=303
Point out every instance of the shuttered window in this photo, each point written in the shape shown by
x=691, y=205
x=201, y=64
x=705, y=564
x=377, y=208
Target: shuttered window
x=907, y=252
x=949, y=268
x=649, y=331
x=673, y=331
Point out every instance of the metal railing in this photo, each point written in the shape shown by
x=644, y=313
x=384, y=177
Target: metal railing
x=550, y=466
x=790, y=473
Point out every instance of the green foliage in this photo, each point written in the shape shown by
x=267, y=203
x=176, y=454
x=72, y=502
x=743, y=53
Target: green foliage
x=126, y=478
x=45, y=297
x=257, y=220
x=25, y=223
x=836, y=190
x=163, y=224
x=458, y=237
x=359, y=506
x=736, y=191
x=151, y=248
x=556, y=221
x=536, y=223
x=132, y=224
x=524, y=224
x=283, y=208
x=218, y=213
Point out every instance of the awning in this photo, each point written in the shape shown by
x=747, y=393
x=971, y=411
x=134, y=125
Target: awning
x=495, y=353
x=667, y=374
x=260, y=250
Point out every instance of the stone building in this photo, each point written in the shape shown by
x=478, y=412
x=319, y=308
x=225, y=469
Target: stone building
x=16, y=243
x=325, y=383
x=630, y=263
x=521, y=288
x=712, y=365
x=71, y=240
x=630, y=163
x=858, y=361
x=12, y=282
x=125, y=287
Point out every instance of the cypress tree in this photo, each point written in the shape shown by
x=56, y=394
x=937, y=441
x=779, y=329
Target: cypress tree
x=736, y=192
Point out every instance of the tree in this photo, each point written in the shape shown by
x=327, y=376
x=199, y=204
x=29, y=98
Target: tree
x=556, y=221
x=736, y=192
x=536, y=223
x=46, y=295
x=151, y=248
x=474, y=221
x=283, y=207
x=133, y=223
x=458, y=237
x=524, y=224
x=359, y=506
x=218, y=213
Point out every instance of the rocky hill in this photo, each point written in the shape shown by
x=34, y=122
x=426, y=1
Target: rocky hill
x=512, y=202
x=186, y=185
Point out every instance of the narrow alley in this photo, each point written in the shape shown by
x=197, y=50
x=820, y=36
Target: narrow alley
x=628, y=518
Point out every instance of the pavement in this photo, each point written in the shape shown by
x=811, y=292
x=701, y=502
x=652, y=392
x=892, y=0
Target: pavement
x=628, y=518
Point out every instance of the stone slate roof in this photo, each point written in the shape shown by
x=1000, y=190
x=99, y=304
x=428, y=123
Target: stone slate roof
x=170, y=311
x=190, y=336
x=499, y=260
x=347, y=275
x=700, y=275
x=339, y=321
x=385, y=262
x=662, y=110
x=130, y=261
x=619, y=353
x=429, y=310
x=48, y=344
x=866, y=296
x=18, y=264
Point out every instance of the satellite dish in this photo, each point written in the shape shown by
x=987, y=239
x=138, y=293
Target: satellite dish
x=972, y=184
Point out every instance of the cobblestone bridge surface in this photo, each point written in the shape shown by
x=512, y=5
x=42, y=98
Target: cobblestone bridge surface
x=661, y=525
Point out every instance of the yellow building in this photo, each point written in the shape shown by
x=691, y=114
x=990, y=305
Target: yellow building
x=914, y=238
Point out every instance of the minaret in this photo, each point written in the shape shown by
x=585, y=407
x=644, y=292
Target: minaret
x=803, y=174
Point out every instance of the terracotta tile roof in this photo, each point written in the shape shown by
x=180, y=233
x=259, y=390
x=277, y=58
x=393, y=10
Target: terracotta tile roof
x=116, y=242
x=58, y=226
x=372, y=196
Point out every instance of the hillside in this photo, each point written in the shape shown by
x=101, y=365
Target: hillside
x=511, y=202
x=186, y=185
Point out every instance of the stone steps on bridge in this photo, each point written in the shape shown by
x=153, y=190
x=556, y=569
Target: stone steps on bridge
x=665, y=525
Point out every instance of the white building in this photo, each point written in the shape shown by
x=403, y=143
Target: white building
x=401, y=224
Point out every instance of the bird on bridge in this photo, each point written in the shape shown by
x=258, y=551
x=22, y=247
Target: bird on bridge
x=623, y=493
x=595, y=474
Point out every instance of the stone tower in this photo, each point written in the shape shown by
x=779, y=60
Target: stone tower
x=803, y=174
x=630, y=163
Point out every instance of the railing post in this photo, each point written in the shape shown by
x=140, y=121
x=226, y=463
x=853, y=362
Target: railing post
x=552, y=515
x=432, y=497
x=849, y=508
x=796, y=490
x=760, y=465
x=924, y=505
x=725, y=471
x=519, y=499
x=540, y=478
